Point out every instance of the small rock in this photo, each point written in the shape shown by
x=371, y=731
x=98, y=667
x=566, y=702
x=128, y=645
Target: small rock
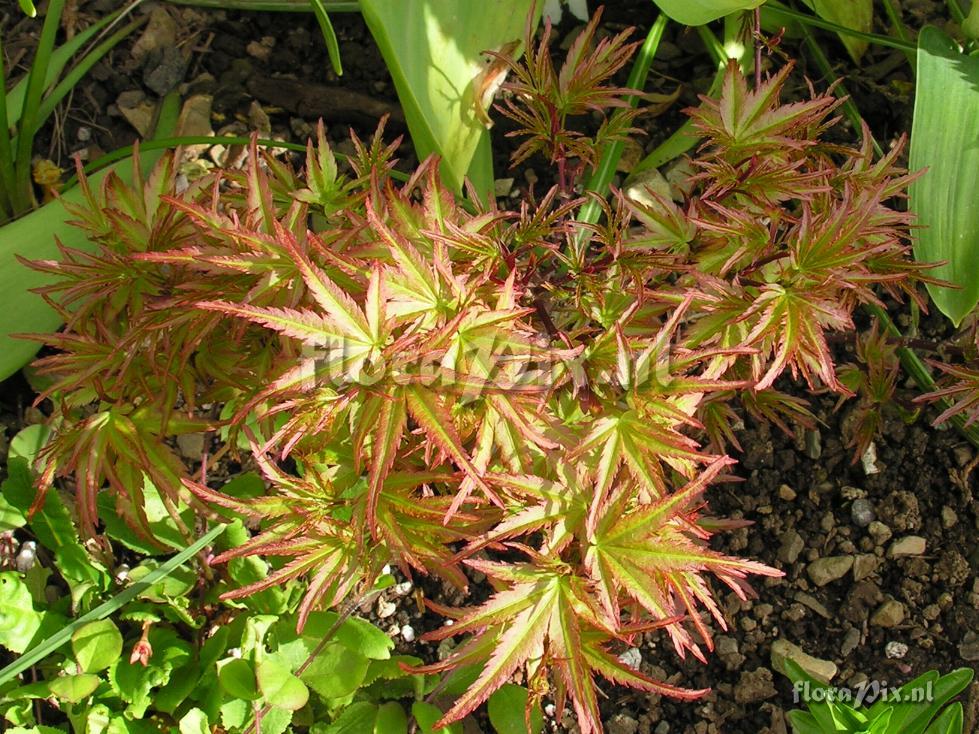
x=889, y=614
x=824, y=670
x=403, y=588
x=137, y=110
x=969, y=647
x=909, y=545
x=864, y=565
x=623, y=724
x=949, y=518
x=261, y=50
x=869, y=460
x=895, y=650
x=791, y=546
x=879, y=532
x=195, y=119
x=810, y=601
x=662, y=727
x=862, y=513
x=754, y=685
x=165, y=69
x=786, y=493
x=502, y=187
x=84, y=134
x=160, y=33
x=727, y=652
x=962, y=454
x=26, y=557
x=191, y=445
x=631, y=657
x=386, y=608
x=825, y=570
x=258, y=118
x=814, y=443
x=850, y=641
x=931, y=612
x=407, y=633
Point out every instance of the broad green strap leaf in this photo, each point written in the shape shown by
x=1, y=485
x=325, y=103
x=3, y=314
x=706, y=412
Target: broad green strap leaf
x=945, y=140
x=698, y=12
x=433, y=49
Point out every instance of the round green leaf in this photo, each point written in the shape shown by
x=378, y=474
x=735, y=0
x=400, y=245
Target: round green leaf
x=698, y=12
x=391, y=719
x=426, y=715
x=28, y=442
x=96, y=645
x=279, y=686
x=237, y=677
x=18, y=620
x=336, y=672
x=506, y=711
x=74, y=688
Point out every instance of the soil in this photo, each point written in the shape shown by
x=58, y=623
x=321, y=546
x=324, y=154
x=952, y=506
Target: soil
x=873, y=615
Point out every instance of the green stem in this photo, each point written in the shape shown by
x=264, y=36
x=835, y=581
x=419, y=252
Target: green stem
x=59, y=638
x=920, y=373
x=956, y=10
x=849, y=108
x=901, y=30
x=601, y=179
x=7, y=174
x=29, y=123
x=810, y=20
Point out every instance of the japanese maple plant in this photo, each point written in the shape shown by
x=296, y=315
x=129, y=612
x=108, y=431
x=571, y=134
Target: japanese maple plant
x=452, y=388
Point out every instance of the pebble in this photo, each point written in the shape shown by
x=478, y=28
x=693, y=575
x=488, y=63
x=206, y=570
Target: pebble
x=949, y=518
x=850, y=641
x=662, y=727
x=909, y=545
x=889, y=614
x=792, y=545
x=869, y=460
x=386, y=608
x=403, y=588
x=862, y=513
x=631, y=657
x=754, y=685
x=786, y=493
x=814, y=443
x=407, y=633
x=864, y=565
x=727, y=652
x=810, y=601
x=191, y=445
x=895, y=650
x=825, y=570
x=969, y=647
x=623, y=724
x=26, y=557
x=879, y=532
x=824, y=670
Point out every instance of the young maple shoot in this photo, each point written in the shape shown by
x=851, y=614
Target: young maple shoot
x=454, y=392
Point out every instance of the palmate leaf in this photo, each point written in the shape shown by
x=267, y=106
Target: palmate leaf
x=545, y=616
x=649, y=554
x=745, y=122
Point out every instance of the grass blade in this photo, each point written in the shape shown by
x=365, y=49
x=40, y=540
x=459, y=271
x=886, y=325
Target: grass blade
x=22, y=193
x=329, y=35
x=34, y=656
